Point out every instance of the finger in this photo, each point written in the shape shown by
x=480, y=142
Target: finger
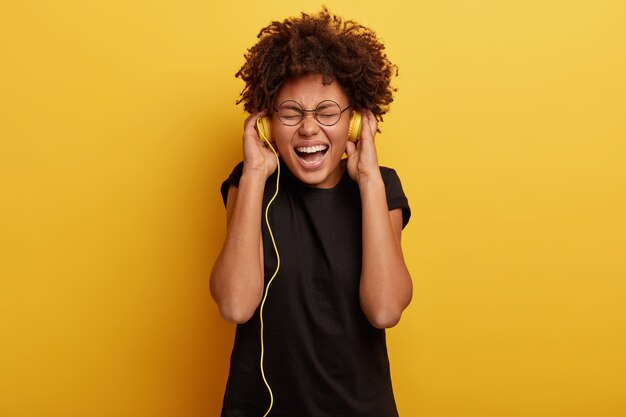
x=250, y=119
x=350, y=148
x=249, y=127
x=372, y=122
x=255, y=115
x=366, y=130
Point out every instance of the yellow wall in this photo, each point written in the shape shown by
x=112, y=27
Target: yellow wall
x=118, y=123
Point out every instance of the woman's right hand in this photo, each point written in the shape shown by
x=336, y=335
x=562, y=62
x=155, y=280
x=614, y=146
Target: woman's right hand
x=257, y=157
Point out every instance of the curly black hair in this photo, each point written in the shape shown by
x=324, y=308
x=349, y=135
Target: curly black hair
x=339, y=50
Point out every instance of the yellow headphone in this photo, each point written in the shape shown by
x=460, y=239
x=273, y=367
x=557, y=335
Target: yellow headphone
x=264, y=126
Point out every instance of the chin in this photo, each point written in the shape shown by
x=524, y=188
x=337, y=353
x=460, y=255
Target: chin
x=322, y=177
x=314, y=179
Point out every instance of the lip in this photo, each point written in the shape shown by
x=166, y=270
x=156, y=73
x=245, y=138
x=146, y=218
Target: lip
x=311, y=166
x=306, y=143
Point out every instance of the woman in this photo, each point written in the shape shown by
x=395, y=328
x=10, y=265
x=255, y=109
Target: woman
x=311, y=310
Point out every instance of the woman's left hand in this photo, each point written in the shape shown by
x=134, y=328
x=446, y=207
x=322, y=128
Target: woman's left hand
x=362, y=157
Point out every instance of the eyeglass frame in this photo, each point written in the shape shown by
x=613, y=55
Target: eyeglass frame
x=314, y=111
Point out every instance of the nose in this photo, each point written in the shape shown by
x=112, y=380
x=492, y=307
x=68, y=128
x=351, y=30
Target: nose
x=308, y=125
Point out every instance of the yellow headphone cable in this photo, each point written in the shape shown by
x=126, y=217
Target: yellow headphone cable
x=269, y=228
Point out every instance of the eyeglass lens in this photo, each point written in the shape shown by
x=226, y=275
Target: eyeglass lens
x=327, y=112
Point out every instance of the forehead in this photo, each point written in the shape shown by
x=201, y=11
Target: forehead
x=309, y=90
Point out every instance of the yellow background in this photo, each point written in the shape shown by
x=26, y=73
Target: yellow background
x=118, y=123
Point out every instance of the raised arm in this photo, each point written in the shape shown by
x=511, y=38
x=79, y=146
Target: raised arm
x=386, y=288
x=237, y=276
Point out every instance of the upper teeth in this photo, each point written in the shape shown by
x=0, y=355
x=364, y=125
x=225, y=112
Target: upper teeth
x=311, y=149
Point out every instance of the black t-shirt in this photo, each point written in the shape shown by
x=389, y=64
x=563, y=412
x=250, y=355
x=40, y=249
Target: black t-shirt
x=322, y=357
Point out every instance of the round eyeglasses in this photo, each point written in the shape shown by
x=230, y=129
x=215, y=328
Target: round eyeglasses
x=327, y=113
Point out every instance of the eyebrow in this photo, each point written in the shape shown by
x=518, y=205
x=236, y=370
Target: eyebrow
x=322, y=107
x=299, y=107
x=291, y=107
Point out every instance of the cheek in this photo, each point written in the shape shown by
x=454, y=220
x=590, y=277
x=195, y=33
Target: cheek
x=281, y=140
x=339, y=136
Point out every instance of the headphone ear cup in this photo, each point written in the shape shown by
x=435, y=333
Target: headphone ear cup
x=264, y=127
x=354, y=131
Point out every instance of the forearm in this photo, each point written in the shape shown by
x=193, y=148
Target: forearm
x=237, y=276
x=386, y=287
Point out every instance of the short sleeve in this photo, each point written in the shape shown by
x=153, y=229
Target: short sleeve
x=395, y=195
x=233, y=179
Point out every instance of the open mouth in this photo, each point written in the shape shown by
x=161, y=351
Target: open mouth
x=311, y=155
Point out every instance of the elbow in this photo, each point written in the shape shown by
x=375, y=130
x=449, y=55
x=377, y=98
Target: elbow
x=236, y=309
x=384, y=313
x=384, y=319
x=236, y=304
x=236, y=314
